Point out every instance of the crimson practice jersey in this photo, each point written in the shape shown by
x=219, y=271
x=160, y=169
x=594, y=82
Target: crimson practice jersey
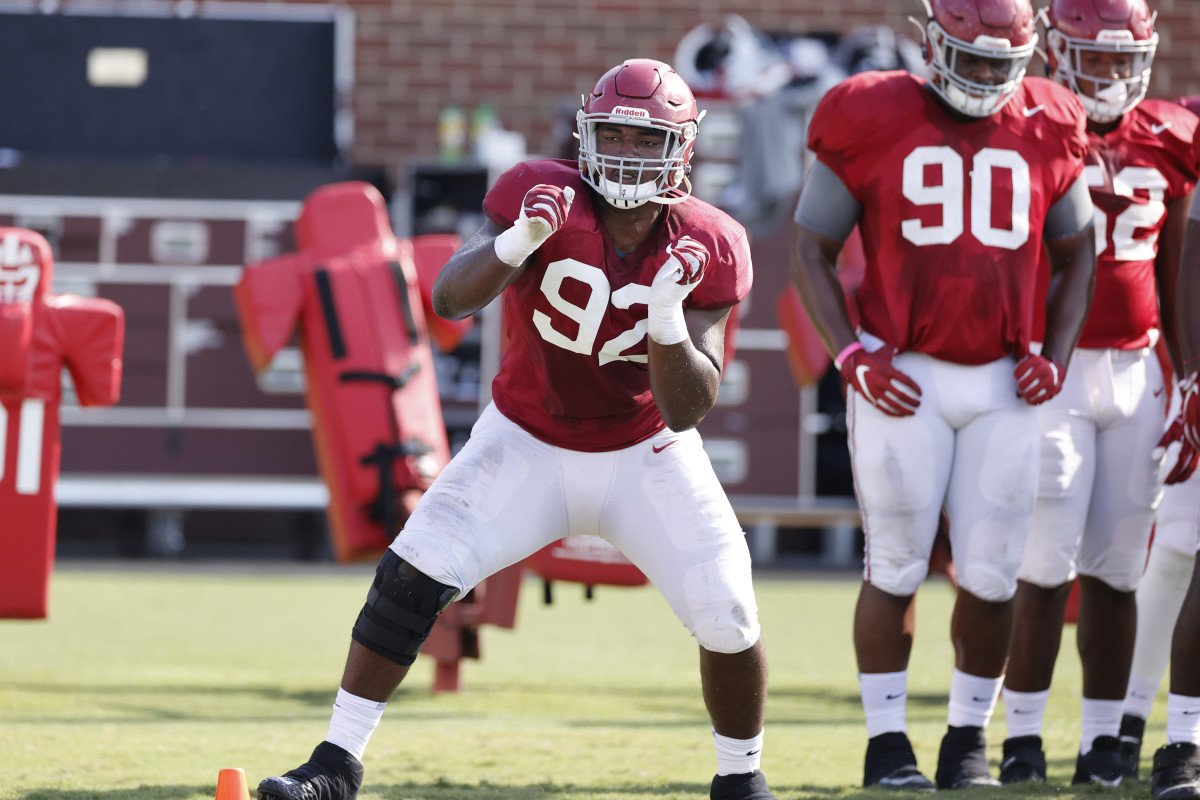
x=574, y=373
x=952, y=211
x=1149, y=159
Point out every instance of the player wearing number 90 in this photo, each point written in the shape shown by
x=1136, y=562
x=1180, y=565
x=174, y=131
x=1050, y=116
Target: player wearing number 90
x=1103, y=451
x=616, y=287
x=956, y=185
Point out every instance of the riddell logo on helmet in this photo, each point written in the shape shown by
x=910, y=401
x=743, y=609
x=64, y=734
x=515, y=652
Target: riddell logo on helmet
x=626, y=111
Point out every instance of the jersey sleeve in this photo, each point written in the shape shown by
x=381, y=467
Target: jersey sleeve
x=832, y=133
x=1069, y=129
x=1179, y=128
x=502, y=203
x=728, y=279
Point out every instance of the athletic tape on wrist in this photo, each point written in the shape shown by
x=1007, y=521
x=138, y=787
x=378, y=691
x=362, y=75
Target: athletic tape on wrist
x=517, y=243
x=666, y=325
x=847, y=351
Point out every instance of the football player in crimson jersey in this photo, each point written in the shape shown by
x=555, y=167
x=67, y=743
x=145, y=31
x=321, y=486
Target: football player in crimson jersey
x=1103, y=443
x=1176, y=769
x=956, y=184
x=616, y=287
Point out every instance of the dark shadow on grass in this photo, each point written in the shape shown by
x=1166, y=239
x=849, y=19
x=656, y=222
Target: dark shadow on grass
x=449, y=790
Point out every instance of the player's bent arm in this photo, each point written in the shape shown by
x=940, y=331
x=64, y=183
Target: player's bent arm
x=1071, y=250
x=1166, y=275
x=814, y=274
x=473, y=277
x=1187, y=293
x=685, y=376
x=825, y=216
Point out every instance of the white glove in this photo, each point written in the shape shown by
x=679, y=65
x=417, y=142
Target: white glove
x=676, y=278
x=543, y=211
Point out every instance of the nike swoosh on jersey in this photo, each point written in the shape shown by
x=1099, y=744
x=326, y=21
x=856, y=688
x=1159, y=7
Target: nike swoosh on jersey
x=658, y=449
x=1157, y=129
x=1029, y=112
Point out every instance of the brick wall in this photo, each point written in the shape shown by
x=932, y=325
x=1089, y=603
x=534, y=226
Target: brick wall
x=528, y=58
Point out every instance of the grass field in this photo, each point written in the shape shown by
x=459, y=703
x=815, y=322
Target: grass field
x=146, y=681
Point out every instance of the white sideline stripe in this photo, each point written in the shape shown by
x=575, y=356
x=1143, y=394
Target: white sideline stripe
x=229, y=492
x=760, y=339
x=152, y=417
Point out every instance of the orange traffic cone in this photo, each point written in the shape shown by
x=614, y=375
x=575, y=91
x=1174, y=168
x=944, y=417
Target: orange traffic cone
x=231, y=785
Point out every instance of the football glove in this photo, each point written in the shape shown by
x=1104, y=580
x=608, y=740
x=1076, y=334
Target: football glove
x=885, y=387
x=1038, y=378
x=1190, y=389
x=1185, y=455
x=676, y=278
x=543, y=212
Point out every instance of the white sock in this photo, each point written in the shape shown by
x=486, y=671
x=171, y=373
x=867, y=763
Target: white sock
x=1139, y=697
x=1159, y=598
x=1183, y=718
x=354, y=720
x=1024, y=712
x=972, y=699
x=738, y=756
x=1098, y=718
x=884, y=699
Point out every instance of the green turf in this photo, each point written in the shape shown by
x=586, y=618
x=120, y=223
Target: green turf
x=144, y=683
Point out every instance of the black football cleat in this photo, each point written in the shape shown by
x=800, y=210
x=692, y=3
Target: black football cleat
x=331, y=774
x=1132, y=730
x=743, y=786
x=1176, y=772
x=962, y=759
x=1024, y=761
x=1101, y=765
x=891, y=764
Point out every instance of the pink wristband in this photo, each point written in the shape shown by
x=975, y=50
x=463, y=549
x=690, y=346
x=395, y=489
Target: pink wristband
x=850, y=350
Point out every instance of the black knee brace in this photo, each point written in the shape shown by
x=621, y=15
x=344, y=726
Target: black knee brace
x=402, y=605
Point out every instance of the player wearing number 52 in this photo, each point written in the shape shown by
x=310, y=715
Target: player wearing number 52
x=616, y=286
x=956, y=184
x=1105, y=449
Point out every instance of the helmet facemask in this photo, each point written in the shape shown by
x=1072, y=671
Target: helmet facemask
x=661, y=180
x=967, y=96
x=1111, y=97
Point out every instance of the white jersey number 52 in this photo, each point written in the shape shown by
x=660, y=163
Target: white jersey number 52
x=1138, y=216
x=949, y=195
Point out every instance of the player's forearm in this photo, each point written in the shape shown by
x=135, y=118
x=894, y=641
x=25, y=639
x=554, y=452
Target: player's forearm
x=1187, y=300
x=471, y=279
x=684, y=382
x=1072, y=284
x=1166, y=276
x=814, y=274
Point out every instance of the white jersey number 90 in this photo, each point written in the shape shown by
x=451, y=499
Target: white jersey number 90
x=949, y=195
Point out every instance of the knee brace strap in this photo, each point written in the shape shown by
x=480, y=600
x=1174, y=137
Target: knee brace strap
x=402, y=605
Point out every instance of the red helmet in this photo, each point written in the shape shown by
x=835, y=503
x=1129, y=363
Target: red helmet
x=650, y=94
x=1106, y=26
x=26, y=265
x=998, y=30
